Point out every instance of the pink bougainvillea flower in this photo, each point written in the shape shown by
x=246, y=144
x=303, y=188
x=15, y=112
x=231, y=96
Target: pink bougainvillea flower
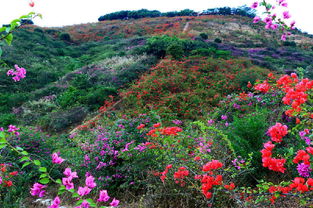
x=37, y=190
x=114, y=203
x=103, y=196
x=56, y=202
x=90, y=182
x=68, y=172
x=56, y=159
x=67, y=182
x=286, y=15
x=82, y=191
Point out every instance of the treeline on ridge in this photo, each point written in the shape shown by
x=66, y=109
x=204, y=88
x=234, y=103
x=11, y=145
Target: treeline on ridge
x=142, y=13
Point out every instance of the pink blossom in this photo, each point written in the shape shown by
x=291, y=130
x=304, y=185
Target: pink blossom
x=254, y=5
x=90, y=182
x=56, y=202
x=274, y=26
x=18, y=74
x=114, y=202
x=56, y=159
x=67, y=182
x=224, y=117
x=283, y=37
x=68, y=172
x=292, y=25
x=36, y=190
x=82, y=191
x=286, y=15
x=256, y=19
x=103, y=196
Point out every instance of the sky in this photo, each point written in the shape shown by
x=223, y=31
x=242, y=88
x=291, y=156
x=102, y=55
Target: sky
x=58, y=13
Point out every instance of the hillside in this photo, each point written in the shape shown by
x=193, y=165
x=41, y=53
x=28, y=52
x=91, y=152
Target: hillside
x=186, y=112
x=87, y=57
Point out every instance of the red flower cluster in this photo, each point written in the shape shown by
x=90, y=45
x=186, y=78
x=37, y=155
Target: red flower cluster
x=163, y=174
x=277, y=132
x=295, y=91
x=140, y=126
x=4, y=176
x=269, y=162
x=171, y=130
x=230, y=187
x=302, y=155
x=263, y=87
x=180, y=175
x=298, y=185
x=208, y=182
x=213, y=165
x=165, y=131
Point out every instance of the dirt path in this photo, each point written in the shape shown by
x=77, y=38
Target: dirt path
x=186, y=27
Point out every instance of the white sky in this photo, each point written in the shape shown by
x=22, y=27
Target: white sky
x=69, y=12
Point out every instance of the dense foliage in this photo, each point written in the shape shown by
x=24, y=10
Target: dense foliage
x=174, y=117
x=144, y=13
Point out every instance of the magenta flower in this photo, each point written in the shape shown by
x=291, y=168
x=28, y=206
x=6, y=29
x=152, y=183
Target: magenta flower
x=56, y=159
x=56, y=202
x=103, y=196
x=85, y=204
x=224, y=117
x=283, y=37
x=90, y=182
x=256, y=19
x=292, y=25
x=67, y=182
x=254, y=5
x=274, y=26
x=18, y=74
x=268, y=20
x=37, y=190
x=114, y=203
x=286, y=15
x=82, y=191
x=68, y=172
x=304, y=170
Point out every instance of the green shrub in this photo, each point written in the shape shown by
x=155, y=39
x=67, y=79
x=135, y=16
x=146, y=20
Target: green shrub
x=204, y=36
x=175, y=49
x=6, y=119
x=217, y=40
x=65, y=37
x=247, y=132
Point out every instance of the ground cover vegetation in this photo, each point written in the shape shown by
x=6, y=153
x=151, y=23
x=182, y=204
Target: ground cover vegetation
x=175, y=111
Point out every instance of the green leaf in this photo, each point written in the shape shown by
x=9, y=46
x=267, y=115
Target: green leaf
x=24, y=153
x=44, y=181
x=43, y=169
x=43, y=175
x=79, y=202
x=25, y=158
x=72, y=190
x=2, y=29
x=2, y=146
x=2, y=138
x=25, y=164
x=75, y=195
x=37, y=162
x=89, y=201
x=9, y=39
x=58, y=181
x=19, y=148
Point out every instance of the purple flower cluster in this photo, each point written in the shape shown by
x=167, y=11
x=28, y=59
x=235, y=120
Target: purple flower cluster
x=304, y=170
x=18, y=74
